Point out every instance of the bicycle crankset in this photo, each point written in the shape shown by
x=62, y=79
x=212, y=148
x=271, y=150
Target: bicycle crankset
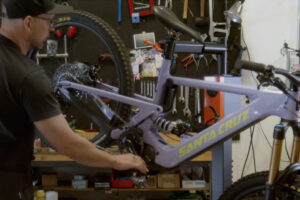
x=131, y=141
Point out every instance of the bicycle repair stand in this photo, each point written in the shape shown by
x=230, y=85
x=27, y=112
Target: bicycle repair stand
x=221, y=166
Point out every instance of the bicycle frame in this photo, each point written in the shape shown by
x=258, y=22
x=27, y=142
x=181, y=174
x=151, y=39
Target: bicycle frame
x=262, y=104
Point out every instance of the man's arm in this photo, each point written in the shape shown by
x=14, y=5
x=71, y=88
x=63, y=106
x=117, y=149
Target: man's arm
x=57, y=131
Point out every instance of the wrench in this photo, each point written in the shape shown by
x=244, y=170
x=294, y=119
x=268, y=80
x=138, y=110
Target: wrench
x=186, y=111
x=145, y=88
x=181, y=97
x=148, y=88
x=185, y=9
x=174, y=110
x=154, y=88
x=142, y=87
x=198, y=106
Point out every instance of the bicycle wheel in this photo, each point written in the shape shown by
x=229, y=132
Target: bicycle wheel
x=89, y=43
x=252, y=187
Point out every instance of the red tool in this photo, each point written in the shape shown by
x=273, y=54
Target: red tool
x=141, y=13
x=189, y=60
x=58, y=33
x=72, y=32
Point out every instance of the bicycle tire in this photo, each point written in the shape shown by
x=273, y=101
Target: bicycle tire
x=251, y=187
x=120, y=56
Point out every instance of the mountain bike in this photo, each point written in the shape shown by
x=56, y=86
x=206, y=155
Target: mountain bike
x=79, y=85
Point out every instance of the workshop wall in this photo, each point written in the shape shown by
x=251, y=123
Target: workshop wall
x=108, y=10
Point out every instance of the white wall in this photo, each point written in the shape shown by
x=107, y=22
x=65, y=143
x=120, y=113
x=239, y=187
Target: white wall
x=266, y=24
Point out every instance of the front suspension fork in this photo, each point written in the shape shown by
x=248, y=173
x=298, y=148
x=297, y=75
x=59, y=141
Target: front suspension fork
x=296, y=143
x=273, y=180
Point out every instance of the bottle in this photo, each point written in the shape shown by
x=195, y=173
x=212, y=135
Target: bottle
x=40, y=195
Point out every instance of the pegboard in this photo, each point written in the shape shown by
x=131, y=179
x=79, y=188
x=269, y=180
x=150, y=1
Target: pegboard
x=108, y=10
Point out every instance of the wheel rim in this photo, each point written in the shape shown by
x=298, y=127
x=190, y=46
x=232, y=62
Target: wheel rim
x=117, y=82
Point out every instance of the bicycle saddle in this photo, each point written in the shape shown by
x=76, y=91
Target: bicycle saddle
x=170, y=20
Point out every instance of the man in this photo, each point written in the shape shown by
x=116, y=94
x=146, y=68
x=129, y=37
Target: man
x=27, y=102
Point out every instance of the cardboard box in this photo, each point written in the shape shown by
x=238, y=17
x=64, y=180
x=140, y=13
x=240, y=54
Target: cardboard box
x=49, y=180
x=151, y=182
x=193, y=183
x=168, y=180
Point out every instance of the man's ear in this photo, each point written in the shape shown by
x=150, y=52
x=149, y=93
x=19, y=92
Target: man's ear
x=27, y=23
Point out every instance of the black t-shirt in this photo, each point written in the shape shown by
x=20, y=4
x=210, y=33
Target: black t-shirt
x=26, y=96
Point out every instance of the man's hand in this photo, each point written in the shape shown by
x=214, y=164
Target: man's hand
x=57, y=131
x=130, y=161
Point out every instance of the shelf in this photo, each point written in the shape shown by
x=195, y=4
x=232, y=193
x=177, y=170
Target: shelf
x=111, y=190
x=67, y=188
x=45, y=159
x=52, y=156
x=156, y=189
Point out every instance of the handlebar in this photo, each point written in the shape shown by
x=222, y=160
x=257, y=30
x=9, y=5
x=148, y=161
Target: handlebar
x=252, y=66
x=259, y=67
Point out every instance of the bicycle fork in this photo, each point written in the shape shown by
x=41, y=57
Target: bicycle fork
x=276, y=181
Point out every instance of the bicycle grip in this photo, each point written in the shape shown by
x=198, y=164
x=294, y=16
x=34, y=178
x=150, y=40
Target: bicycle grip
x=253, y=66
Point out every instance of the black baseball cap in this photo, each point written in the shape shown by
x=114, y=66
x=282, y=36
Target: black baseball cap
x=23, y=8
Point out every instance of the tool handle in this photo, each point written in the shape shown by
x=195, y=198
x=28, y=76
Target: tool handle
x=185, y=9
x=202, y=11
x=119, y=11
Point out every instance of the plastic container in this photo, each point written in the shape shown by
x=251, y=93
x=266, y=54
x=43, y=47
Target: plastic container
x=51, y=195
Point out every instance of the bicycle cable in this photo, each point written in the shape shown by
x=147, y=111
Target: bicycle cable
x=251, y=137
x=287, y=152
x=254, y=162
x=265, y=135
x=249, y=58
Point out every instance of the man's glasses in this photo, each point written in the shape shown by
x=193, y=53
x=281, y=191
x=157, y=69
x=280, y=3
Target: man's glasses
x=52, y=21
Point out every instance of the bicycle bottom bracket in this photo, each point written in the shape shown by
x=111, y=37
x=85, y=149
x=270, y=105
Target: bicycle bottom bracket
x=131, y=141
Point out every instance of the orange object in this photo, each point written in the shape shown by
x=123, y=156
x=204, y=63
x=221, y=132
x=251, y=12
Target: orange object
x=215, y=100
x=156, y=45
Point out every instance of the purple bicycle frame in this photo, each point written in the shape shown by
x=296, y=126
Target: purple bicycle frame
x=262, y=104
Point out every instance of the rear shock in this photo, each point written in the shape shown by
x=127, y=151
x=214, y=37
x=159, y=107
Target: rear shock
x=176, y=127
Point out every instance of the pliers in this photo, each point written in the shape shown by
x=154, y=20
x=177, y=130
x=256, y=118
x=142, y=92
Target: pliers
x=191, y=59
x=188, y=60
